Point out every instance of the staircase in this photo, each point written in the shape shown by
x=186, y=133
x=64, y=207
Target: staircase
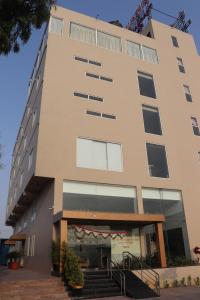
x=43, y=289
x=97, y=284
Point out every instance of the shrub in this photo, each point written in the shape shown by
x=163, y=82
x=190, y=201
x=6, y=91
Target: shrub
x=197, y=281
x=165, y=284
x=175, y=283
x=13, y=256
x=189, y=280
x=55, y=255
x=182, y=282
x=73, y=271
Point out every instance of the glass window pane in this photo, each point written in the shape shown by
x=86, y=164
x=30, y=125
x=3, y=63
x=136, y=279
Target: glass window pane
x=99, y=155
x=134, y=49
x=157, y=161
x=108, y=41
x=114, y=157
x=146, y=85
x=175, y=41
x=56, y=26
x=83, y=153
x=150, y=55
x=82, y=33
x=151, y=120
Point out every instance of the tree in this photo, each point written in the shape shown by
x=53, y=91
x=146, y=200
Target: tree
x=18, y=18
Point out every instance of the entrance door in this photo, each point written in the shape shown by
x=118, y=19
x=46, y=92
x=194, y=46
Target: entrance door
x=96, y=245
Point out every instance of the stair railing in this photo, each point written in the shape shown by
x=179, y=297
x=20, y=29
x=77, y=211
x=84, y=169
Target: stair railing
x=142, y=270
x=115, y=272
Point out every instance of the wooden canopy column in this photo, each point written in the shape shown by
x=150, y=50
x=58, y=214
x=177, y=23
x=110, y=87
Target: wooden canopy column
x=63, y=238
x=161, y=244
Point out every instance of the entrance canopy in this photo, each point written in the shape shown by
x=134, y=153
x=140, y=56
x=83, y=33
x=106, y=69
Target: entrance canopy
x=10, y=243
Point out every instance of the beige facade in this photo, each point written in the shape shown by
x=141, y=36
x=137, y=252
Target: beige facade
x=46, y=150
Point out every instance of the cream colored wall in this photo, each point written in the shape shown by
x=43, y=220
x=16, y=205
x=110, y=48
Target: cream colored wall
x=63, y=117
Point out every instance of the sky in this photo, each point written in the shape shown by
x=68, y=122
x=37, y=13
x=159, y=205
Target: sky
x=15, y=70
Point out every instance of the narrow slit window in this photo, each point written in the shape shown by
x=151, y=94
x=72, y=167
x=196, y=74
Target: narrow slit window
x=106, y=78
x=195, y=126
x=175, y=42
x=81, y=95
x=95, y=98
x=93, y=113
x=96, y=63
x=109, y=116
x=81, y=59
x=92, y=75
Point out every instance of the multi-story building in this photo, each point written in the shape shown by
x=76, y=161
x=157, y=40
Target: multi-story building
x=108, y=153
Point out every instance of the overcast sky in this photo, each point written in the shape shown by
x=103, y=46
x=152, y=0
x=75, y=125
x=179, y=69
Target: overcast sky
x=15, y=69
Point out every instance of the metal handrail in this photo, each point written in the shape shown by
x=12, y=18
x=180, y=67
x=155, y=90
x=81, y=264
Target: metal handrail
x=144, y=270
x=111, y=273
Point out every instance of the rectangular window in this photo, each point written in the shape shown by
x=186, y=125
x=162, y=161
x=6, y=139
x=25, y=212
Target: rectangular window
x=93, y=113
x=150, y=55
x=109, y=116
x=180, y=65
x=83, y=33
x=96, y=63
x=98, y=155
x=175, y=41
x=109, y=42
x=30, y=159
x=195, y=126
x=95, y=98
x=86, y=196
x=187, y=93
x=134, y=50
x=146, y=85
x=81, y=95
x=81, y=59
x=157, y=161
x=92, y=75
x=106, y=78
x=151, y=120
x=56, y=25
x=88, y=61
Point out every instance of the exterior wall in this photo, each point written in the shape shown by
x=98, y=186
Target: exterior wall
x=42, y=228
x=64, y=75
x=62, y=118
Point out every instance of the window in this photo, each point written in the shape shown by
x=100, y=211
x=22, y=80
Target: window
x=98, y=155
x=134, y=50
x=98, y=114
x=83, y=33
x=99, y=77
x=151, y=120
x=170, y=204
x=30, y=159
x=90, y=97
x=21, y=179
x=187, y=93
x=157, y=161
x=33, y=119
x=88, y=61
x=175, y=41
x=56, y=25
x=150, y=55
x=180, y=65
x=195, y=126
x=84, y=196
x=146, y=85
x=108, y=41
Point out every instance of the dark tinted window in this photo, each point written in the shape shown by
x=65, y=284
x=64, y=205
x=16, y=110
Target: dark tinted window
x=93, y=113
x=146, y=85
x=195, y=126
x=151, y=120
x=106, y=78
x=180, y=65
x=187, y=93
x=108, y=116
x=81, y=95
x=157, y=161
x=175, y=41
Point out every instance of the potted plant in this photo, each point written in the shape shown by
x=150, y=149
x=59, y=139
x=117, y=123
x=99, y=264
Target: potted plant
x=55, y=256
x=13, y=260
x=73, y=273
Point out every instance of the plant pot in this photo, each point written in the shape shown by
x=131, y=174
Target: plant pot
x=14, y=265
x=77, y=290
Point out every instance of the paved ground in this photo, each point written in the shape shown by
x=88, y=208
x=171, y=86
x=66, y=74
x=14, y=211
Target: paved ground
x=21, y=274
x=187, y=293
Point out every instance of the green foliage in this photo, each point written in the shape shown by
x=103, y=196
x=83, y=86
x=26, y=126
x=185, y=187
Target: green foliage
x=175, y=283
x=73, y=271
x=197, y=281
x=179, y=261
x=182, y=282
x=189, y=280
x=13, y=256
x=166, y=284
x=17, y=18
x=64, y=251
x=55, y=253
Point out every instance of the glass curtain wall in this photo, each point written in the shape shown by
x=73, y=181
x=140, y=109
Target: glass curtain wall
x=169, y=203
